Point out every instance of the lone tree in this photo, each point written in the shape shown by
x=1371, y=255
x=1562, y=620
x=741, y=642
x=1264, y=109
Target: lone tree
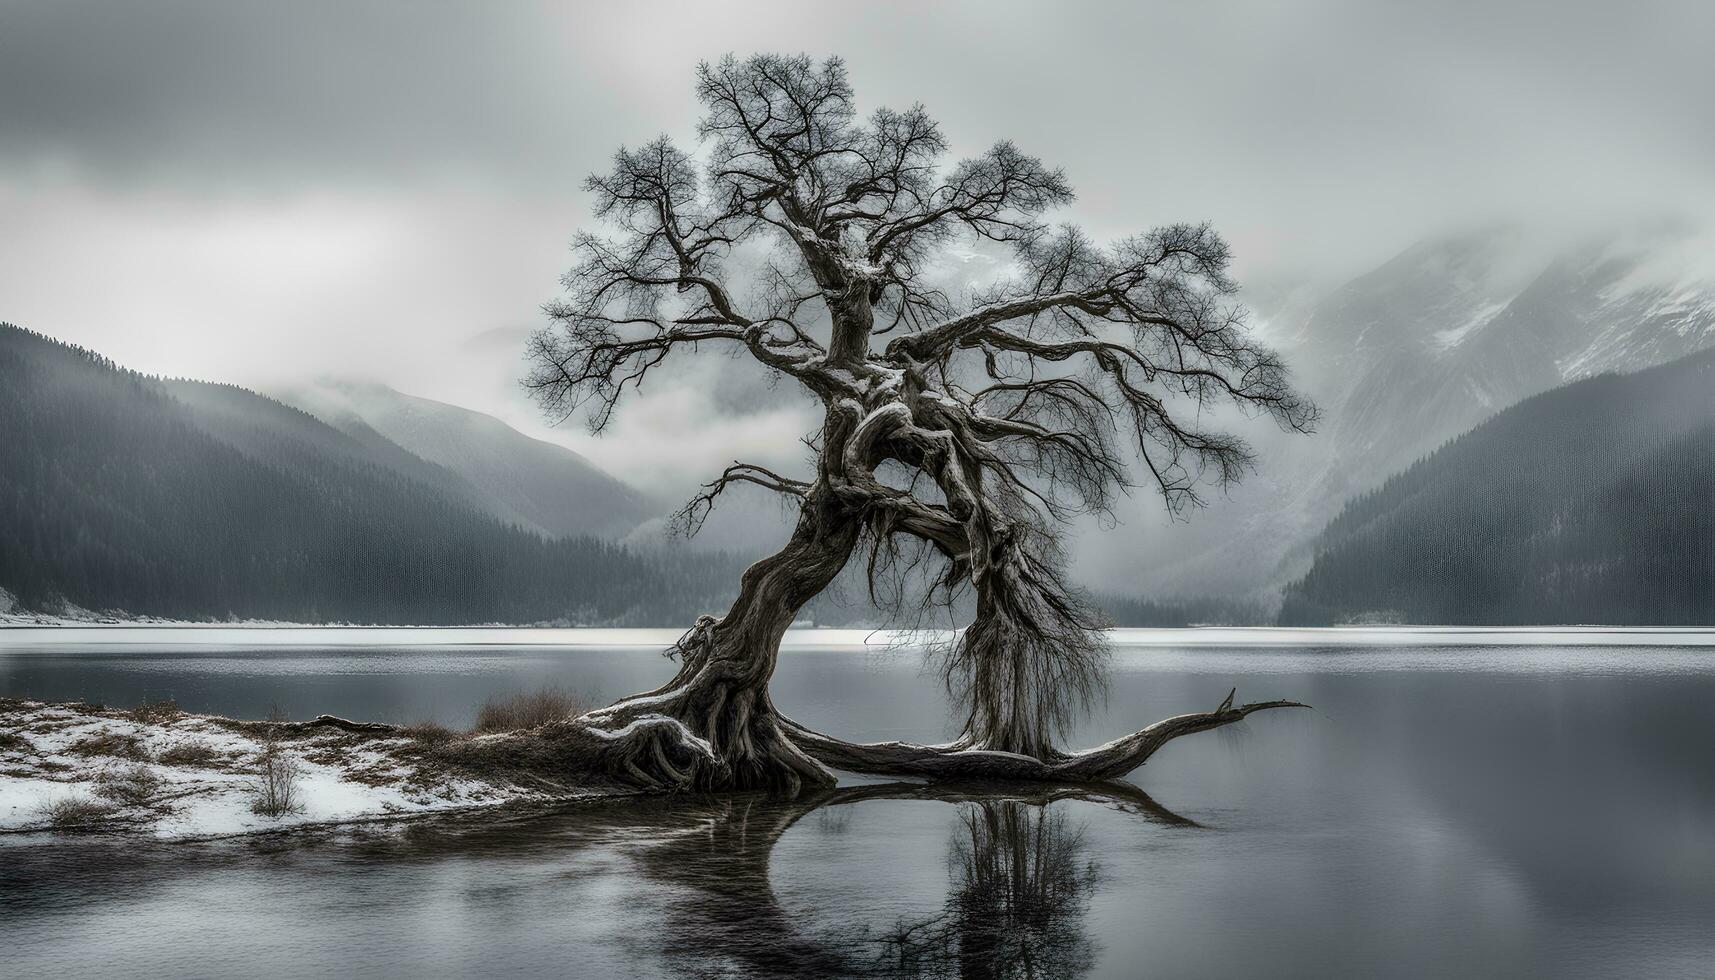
x=962, y=428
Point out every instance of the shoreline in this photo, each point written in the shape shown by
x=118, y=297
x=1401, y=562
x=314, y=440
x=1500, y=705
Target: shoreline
x=168, y=775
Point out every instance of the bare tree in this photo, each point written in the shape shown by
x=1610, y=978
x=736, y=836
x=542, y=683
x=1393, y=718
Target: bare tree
x=962, y=426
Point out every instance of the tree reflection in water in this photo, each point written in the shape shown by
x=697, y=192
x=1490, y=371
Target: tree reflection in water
x=1021, y=887
x=1021, y=881
x=1021, y=878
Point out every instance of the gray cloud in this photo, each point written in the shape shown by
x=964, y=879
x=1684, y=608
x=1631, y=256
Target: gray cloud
x=256, y=192
x=1260, y=109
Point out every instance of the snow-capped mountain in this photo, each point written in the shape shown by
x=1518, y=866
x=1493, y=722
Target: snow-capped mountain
x=1429, y=345
x=1455, y=330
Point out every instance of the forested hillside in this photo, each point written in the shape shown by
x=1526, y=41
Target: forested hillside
x=1591, y=503
x=1594, y=502
x=520, y=480
x=124, y=492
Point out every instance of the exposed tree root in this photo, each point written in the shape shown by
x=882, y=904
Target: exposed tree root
x=644, y=742
x=966, y=760
x=652, y=741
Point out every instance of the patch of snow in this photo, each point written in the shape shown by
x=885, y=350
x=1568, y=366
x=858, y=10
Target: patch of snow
x=1677, y=263
x=22, y=798
x=1108, y=746
x=336, y=780
x=658, y=721
x=1481, y=317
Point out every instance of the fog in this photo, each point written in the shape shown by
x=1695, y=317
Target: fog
x=266, y=193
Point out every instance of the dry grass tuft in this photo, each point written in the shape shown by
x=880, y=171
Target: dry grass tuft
x=520, y=711
x=193, y=752
x=75, y=811
x=12, y=742
x=430, y=732
x=115, y=744
x=134, y=785
x=155, y=712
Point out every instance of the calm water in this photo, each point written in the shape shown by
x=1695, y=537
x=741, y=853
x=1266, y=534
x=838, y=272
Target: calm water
x=1499, y=812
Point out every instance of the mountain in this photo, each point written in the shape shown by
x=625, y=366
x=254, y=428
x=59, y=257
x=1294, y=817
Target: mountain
x=263, y=428
x=1592, y=503
x=189, y=500
x=528, y=482
x=1458, y=328
x=1428, y=345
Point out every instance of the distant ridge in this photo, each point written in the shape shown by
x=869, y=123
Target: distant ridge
x=1591, y=503
x=525, y=481
x=188, y=500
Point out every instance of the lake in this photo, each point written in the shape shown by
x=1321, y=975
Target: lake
x=1506, y=806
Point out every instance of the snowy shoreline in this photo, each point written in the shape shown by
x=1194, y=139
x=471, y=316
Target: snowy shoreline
x=169, y=775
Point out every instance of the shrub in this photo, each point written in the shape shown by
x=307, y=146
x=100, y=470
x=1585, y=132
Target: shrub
x=75, y=811
x=194, y=752
x=134, y=785
x=155, y=712
x=520, y=711
x=111, y=743
x=276, y=783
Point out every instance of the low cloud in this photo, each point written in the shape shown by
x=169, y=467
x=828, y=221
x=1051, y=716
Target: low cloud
x=260, y=194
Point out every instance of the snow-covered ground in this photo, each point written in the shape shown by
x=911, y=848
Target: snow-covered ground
x=180, y=776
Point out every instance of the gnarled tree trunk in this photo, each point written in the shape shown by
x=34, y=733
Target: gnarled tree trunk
x=1026, y=667
x=713, y=725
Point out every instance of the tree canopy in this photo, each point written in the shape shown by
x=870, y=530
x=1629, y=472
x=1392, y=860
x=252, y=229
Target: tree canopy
x=959, y=424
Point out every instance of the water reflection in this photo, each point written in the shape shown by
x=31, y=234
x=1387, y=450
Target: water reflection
x=1021, y=885
x=644, y=887
x=1019, y=878
x=1498, y=820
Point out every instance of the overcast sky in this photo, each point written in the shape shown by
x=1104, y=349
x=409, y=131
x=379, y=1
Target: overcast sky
x=260, y=193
